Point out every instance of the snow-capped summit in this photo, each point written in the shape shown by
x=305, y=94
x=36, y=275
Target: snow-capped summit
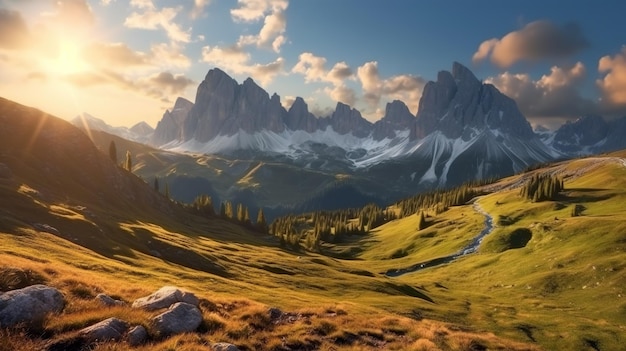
x=464, y=130
x=140, y=132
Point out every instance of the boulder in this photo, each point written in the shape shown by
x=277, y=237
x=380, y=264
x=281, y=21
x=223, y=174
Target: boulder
x=29, y=305
x=165, y=297
x=111, y=329
x=181, y=317
x=137, y=335
x=275, y=313
x=109, y=301
x=223, y=346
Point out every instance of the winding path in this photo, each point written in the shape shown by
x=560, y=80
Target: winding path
x=469, y=249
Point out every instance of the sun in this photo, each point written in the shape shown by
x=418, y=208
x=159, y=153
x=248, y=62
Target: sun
x=68, y=59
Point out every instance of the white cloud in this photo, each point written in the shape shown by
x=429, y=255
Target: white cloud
x=313, y=68
x=106, y=2
x=554, y=95
x=272, y=33
x=198, y=8
x=235, y=60
x=152, y=18
x=537, y=40
x=406, y=87
x=254, y=10
x=613, y=83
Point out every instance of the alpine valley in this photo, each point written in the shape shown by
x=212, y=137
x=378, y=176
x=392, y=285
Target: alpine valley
x=237, y=143
x=459, y=228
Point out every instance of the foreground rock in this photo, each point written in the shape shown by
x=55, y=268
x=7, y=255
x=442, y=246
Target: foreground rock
x=224, y=346
x=165, y=297
x=111, y=329
x=181, y=317
x=109, y=301
x=29, y=306
x=137, y=335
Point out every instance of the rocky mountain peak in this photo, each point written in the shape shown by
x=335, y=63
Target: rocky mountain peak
x=397, y=117
x=458, y=103
x=299, y=118
x=346, y=119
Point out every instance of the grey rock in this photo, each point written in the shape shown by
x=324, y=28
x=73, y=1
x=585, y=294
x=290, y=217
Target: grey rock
x=112, y=329
x=458, y=102
x=170, y=127
x=137, y=335
x=109, y=301
x=275, y=313
x=181, y=317
x=397, y=118
x=223, y=346
x=42, y=227
x=29, y=305
x=345, y=120
x=165, y=297
x=299, y=118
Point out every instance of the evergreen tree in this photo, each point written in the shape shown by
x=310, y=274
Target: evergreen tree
x=113, y=152
x=421, y=223
x=156, y=184
x=128, y=165
x=222, y=210
x=261, y=223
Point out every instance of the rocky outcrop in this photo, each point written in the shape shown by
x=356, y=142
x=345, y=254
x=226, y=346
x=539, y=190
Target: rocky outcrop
x=181, y=317
x=299, y=118
x=165, y=297
x=112, y=329
x=397, y=118
x=171, y=124
x=458, y=102
x=137, y=335
x=223, y=346
x=108, y=301
x=224, y=107
x=29, y=306
x=349, y=120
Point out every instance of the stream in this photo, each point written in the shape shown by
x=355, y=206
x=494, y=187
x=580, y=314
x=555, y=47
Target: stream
x=469, y=249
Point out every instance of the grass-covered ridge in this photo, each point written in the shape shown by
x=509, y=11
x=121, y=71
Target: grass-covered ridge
x=84, y=225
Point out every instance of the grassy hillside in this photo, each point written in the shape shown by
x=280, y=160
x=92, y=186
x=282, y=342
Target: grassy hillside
x=71, y=218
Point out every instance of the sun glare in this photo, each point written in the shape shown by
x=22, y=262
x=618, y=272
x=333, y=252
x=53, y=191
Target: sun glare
x=67, y=60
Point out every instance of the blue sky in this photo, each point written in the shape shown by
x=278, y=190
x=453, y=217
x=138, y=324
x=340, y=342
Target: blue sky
x=126, y=61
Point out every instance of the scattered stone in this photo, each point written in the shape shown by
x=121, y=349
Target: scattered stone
x=5, y=172
x=109, y=301
x=137, y=335
x=46, y=228
x=181, y=317
x=29, y=305
x=165, y=297
x=224, y=346
x=111, y=329
x=275, y=313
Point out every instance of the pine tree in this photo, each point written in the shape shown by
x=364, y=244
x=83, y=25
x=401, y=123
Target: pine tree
x=421, y=223
x=261, y=223
x=156, y=184
x=128, y=165
x=113, y=152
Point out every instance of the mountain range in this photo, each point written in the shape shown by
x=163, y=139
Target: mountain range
x=464, y=130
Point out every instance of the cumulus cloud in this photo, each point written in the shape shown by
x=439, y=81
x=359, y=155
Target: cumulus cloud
x=237, y=61
x=254, y=10
x=613, y=84
x=151, y=18
x=313, y=68
x=405, y=87
x=14, y=33
x=198, y=8
x=555, y=95
x=272, y=33
x=536, y=41
x=176, y=84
